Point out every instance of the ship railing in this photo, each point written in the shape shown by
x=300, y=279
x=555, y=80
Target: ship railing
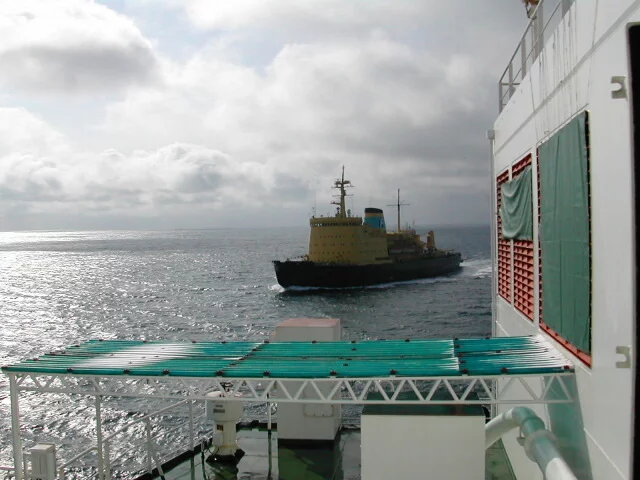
x=544, y=18
x=142, y=445
x=298, y=257
x=8, y=472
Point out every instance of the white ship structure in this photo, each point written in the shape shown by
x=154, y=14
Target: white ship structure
x=558, y=377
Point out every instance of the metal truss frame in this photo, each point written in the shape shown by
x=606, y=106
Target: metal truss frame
x=324, y=390
x=514, y=390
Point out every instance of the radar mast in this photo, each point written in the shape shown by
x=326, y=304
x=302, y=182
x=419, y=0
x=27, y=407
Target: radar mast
x=398, y=204
x=341, y=184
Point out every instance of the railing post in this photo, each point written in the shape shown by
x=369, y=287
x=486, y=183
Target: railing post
x=25, y=468
x=149, y=446
x=268, y=415
x=191, y=430
x=540, y=22
x=523, y=56
x=15, y=427
x=511, y=89
x=99, y=438
x=107, y=461
x=537, y=31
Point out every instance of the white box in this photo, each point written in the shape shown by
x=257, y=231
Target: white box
x=428, y=442
x=309, y=329
x=299, y=421
x=43, y=461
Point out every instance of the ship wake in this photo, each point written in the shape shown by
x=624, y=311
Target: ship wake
x=477, y=268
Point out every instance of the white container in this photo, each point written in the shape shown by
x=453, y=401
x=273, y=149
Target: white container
x=435, y=442
x=311, y=421
x=43, y=461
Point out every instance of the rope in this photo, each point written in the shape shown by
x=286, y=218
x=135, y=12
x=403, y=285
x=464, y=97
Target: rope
x=534, y=45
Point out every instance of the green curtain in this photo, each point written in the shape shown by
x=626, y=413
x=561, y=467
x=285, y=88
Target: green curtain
x=516, y=209
x=565, y=234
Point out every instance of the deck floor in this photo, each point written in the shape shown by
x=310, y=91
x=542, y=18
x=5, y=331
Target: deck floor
x=342, y=462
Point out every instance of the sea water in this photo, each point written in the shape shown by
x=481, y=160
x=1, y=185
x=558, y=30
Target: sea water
x=62, y=288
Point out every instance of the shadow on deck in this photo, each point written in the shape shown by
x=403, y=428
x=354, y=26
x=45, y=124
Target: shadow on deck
x=340, y=462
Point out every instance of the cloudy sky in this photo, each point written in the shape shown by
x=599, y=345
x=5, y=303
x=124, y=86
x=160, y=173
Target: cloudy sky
x=214, y=113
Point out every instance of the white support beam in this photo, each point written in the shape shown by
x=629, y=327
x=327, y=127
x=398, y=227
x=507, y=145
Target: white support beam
x=15, y=427
x=352, y=390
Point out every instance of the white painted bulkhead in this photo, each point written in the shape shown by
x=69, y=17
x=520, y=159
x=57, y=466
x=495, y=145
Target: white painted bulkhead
x=573, y=73
x=422, y=446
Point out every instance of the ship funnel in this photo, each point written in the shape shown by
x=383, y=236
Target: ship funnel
x=431, y=240
x=374, y=218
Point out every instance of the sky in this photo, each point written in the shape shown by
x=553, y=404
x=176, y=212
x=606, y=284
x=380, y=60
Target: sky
x=163, y=114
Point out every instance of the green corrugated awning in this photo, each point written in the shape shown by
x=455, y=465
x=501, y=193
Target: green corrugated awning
x=363, y=359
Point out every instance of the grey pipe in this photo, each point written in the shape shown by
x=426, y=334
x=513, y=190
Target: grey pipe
x=539, y=443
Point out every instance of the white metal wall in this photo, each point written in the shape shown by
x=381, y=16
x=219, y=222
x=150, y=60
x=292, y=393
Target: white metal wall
x=573, y=73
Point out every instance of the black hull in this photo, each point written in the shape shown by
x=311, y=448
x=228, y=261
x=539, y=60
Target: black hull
x=308, y=274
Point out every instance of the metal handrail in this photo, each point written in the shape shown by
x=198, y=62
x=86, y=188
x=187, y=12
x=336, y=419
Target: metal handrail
x=10, y=471
x=118, y=432
x=538, y=442
x=522, y=38
x=511, y=79
x=165, y=432
x=106, y=441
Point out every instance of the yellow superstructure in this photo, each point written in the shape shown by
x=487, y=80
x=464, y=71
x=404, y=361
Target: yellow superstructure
x=348, y=240
x=345, y=239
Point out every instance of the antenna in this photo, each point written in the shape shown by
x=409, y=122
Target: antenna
x=398, y=204
x=340, y=184
x=315, y=197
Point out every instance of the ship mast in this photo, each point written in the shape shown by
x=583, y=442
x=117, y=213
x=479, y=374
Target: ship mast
x=341, y=183
x=398, y=204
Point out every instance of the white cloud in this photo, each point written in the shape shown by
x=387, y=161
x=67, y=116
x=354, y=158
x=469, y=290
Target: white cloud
x=187, y=173
x=22, y=132
x=71, y=46
x=334, y=96
x=218, y=138
x=328, y=16
x=41, y=174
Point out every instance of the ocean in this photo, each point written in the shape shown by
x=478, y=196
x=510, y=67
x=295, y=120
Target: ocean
x=62, y=288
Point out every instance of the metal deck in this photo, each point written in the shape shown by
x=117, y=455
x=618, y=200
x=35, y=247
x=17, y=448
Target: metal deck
x=265, y=459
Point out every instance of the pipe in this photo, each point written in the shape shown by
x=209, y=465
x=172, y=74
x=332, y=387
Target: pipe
x=539, y=443
x=491, y=136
